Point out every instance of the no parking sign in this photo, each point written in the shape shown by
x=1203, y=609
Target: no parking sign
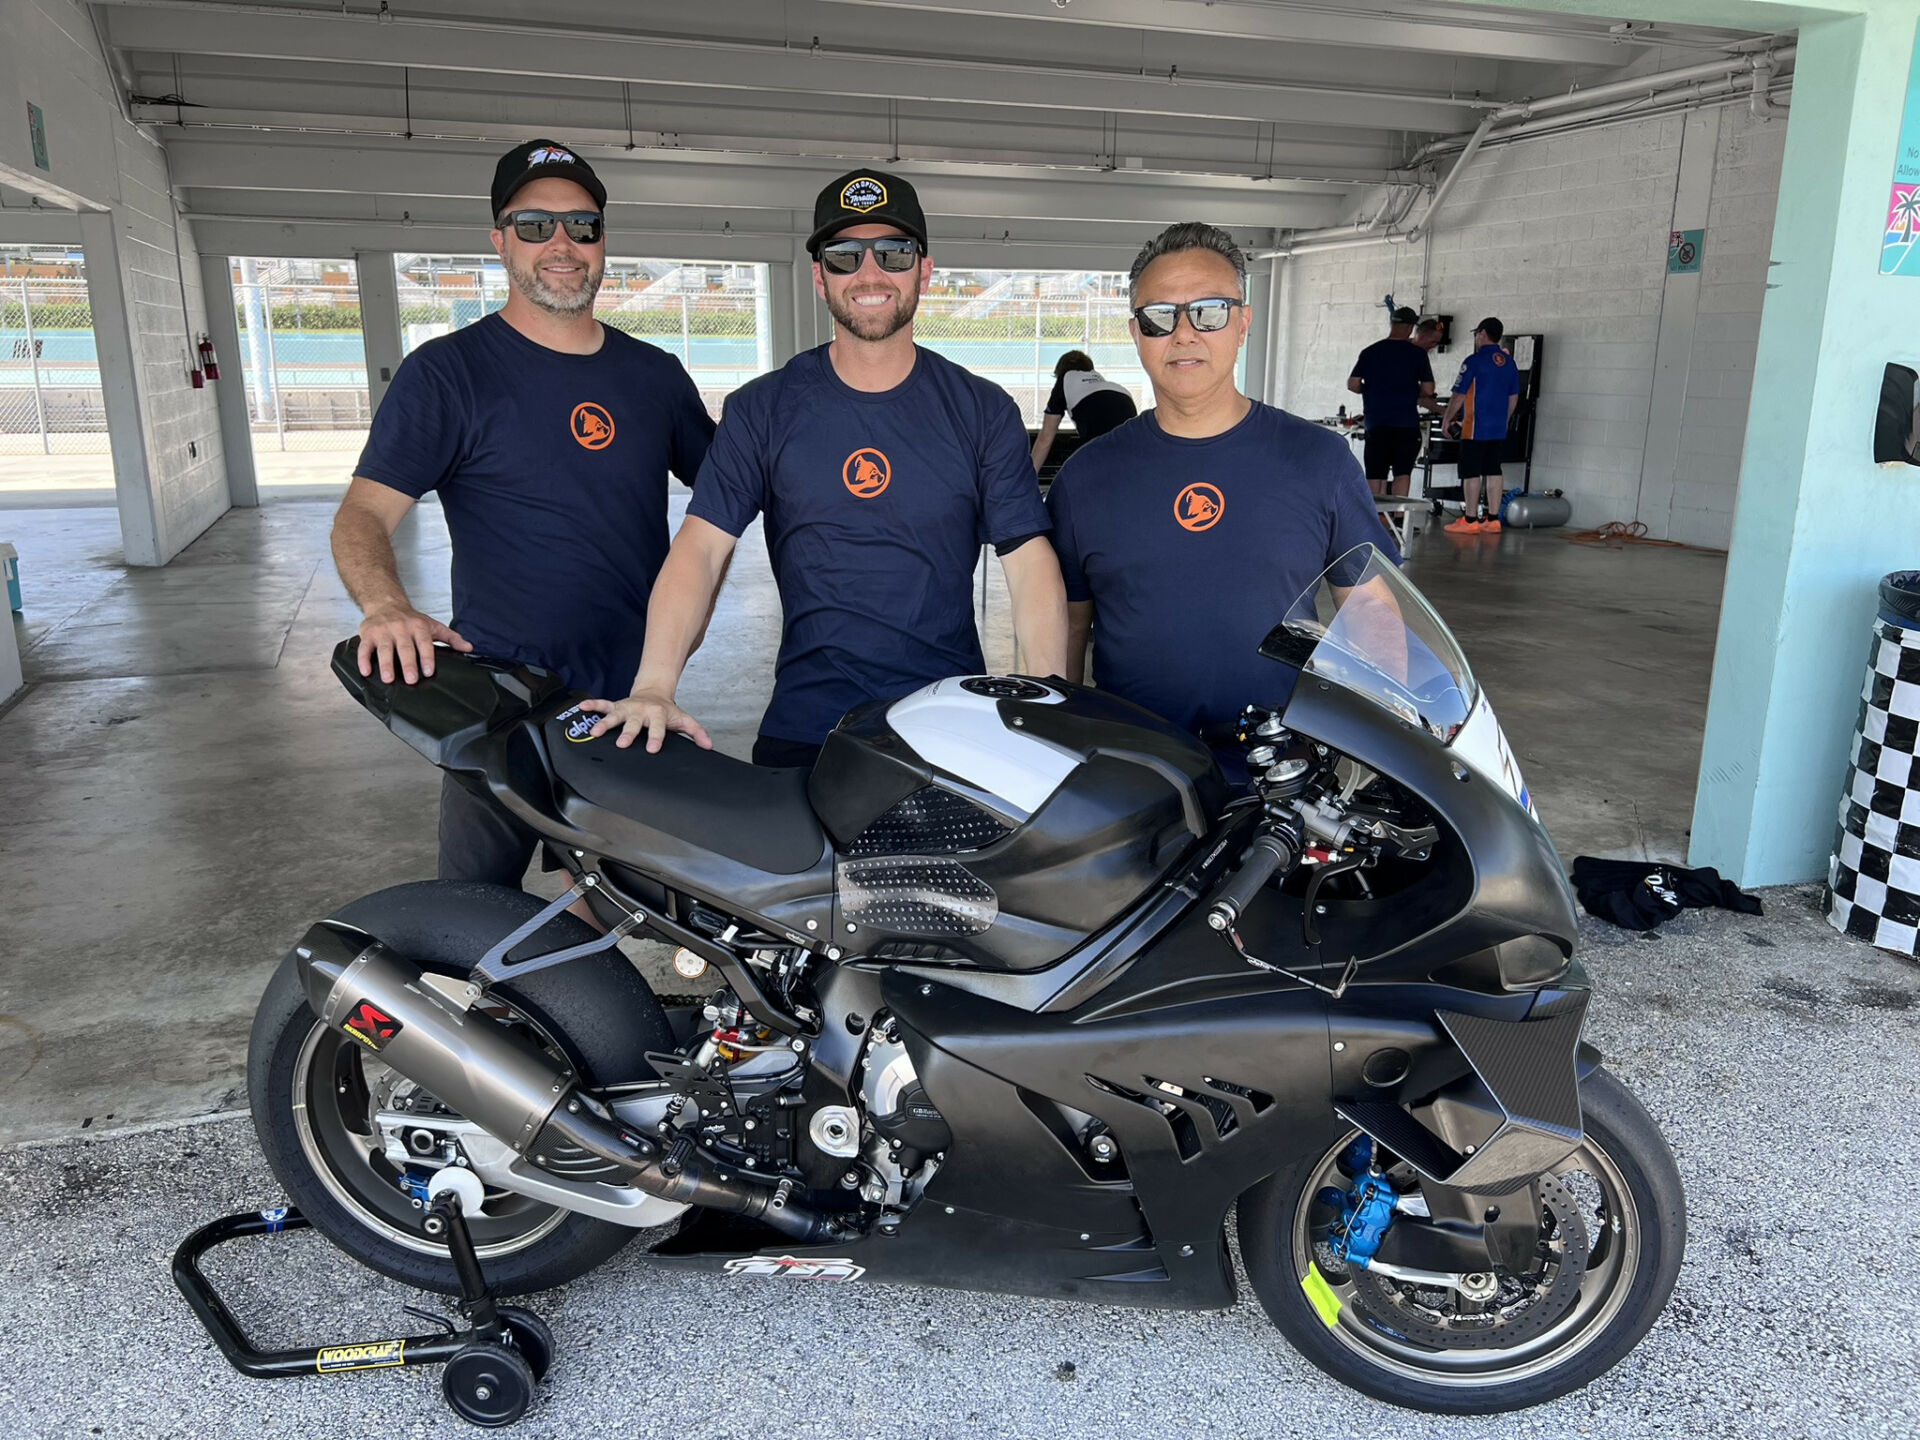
x=1684, y=248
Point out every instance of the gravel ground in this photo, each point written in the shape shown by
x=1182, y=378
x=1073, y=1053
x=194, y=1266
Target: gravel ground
x=1780, y=1059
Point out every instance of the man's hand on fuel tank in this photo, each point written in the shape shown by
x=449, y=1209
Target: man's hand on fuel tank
x=399, y=632
x=649, y=713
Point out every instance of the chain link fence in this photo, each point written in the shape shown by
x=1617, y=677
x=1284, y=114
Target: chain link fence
x=301, y=355
x=713, y=317
x=1010, y=327
x=50, y=400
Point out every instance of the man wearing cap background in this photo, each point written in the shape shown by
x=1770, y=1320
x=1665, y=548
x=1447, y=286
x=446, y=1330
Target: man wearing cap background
x=1484, y=397
x=1394, y=381
x=881, y=468
x=548, y=437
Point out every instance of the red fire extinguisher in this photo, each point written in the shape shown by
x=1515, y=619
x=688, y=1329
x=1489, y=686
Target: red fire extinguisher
x=209, y=361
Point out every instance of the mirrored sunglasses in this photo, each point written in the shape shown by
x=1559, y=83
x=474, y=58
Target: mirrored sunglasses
x=1158, y=320
x=536, y=227
x=898, y=253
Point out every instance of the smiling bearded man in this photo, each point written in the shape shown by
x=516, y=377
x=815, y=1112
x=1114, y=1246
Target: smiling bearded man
x=549, y=438
x=881, y=469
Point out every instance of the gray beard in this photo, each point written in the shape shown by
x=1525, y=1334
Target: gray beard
x=556, y=302
x=869, y=325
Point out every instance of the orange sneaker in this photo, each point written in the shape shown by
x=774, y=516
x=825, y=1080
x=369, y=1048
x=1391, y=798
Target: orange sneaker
x=1490, y=526
x=1464, y=526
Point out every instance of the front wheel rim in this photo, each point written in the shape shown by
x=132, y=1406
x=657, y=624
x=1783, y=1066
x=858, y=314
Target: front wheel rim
x=1615, y=1233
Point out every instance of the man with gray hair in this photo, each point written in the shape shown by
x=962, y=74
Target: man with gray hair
x=1184, y=537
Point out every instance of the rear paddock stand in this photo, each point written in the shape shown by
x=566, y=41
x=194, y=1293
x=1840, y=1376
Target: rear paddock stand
x=492, y=1364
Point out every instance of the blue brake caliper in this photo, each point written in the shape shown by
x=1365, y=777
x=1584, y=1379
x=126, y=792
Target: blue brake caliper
x=1365, y=1211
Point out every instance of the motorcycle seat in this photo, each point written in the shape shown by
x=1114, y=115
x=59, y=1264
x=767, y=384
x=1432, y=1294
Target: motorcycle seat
x=752, y=814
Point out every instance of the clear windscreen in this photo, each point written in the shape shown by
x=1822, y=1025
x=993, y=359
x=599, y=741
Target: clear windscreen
x=1363, y=626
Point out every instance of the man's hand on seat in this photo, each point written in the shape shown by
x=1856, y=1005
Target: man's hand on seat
x=650, y=712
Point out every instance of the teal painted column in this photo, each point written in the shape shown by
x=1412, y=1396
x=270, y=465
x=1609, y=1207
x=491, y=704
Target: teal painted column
x=1816, y=523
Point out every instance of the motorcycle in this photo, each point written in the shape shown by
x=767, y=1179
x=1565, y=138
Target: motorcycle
x=1011, y=992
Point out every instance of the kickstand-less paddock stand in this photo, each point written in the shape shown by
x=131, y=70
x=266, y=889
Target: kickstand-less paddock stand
x=492, y=1364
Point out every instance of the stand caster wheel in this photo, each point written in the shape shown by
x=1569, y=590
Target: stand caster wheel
x=532, y=1337
x=488, y=1385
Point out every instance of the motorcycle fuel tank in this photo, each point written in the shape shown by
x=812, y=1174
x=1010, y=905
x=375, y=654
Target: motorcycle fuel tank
x=1000, y=820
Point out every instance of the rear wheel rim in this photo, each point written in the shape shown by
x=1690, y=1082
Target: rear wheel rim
x=1614, y=1232
x=351, y=1166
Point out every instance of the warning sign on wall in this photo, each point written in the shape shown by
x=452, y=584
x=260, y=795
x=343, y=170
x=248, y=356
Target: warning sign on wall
x=1684, y=248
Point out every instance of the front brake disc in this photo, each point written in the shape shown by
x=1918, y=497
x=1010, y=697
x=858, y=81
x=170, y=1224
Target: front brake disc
x=1526, y=1305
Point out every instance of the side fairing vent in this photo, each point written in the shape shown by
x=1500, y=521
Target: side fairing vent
x=1198, y=1117
x=916, y=895
x=931, y=821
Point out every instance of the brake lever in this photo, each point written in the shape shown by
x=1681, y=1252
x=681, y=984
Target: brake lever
x=1321, y=874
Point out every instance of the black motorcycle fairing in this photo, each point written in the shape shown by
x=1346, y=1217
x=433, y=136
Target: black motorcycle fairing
x=1517, y=884
x=750, y=813
x=1244, y=1079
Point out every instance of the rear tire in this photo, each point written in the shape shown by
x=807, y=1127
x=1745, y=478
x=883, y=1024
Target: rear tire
x=596, y=1011
x=1631, y=1271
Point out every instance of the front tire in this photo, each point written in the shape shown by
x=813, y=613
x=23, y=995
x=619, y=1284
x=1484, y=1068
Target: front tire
x=311, y=1090
x=1633, y=1208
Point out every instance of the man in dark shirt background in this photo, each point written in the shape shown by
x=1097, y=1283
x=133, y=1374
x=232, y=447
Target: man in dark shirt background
x=548, y=437
x=1394, y=381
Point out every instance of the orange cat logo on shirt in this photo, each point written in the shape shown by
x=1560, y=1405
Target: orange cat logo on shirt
x=1199, y=506
x=592, y=425
x=867, y=472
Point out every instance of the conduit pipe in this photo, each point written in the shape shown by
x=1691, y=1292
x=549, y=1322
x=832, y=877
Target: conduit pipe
x=1525, y=118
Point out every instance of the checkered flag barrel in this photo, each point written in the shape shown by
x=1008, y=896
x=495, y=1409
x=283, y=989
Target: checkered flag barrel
x=1873, y=880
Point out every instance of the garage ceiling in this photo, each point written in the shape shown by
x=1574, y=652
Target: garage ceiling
x=1081, y=125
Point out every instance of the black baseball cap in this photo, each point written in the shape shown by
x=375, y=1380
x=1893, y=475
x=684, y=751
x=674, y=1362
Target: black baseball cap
x=866, y=197
x=539, y=160
x=1404, y=316
x=1492, y=329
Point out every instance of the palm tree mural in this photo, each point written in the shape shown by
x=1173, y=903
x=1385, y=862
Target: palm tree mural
x=1906, y=211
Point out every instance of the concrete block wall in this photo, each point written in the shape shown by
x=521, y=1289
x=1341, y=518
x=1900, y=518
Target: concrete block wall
x=185, y=466
x=172, y=482
x=1567, y=237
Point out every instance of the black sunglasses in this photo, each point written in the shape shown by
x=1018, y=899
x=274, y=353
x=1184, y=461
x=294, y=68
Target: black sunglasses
x=898, y=253
x=536, y=227
x=1159, y=319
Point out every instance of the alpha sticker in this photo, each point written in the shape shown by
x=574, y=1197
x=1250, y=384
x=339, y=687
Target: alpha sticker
x=579, y=723
x=361, y=1357
x=863, y=194
x=371, y=1026
x=770, y=1267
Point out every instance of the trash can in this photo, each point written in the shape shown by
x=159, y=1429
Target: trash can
x=1873, y=879
x=10, y=569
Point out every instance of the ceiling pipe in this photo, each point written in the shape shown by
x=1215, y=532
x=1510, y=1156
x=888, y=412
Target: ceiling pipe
x=1710, y=80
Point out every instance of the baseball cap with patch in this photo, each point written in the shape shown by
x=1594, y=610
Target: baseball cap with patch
x=541, y=160
x=866, y=197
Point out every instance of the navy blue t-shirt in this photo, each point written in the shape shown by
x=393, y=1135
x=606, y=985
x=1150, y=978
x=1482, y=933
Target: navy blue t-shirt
x=552, y=470
x=1393, y=372
x=876, y=508
x=1192, y=550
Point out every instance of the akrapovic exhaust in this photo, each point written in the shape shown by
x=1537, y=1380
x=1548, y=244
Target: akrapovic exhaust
x=503, y=1082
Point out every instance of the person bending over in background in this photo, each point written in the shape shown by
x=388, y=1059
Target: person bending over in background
x=1096, y=403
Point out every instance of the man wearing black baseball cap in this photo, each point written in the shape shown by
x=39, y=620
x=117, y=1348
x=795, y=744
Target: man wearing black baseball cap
x=880, y=468
x=1394, y=380
x=548, y=437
